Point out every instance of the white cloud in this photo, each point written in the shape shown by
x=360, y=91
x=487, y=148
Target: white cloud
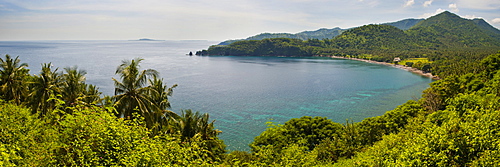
x=453, y=7
x=428, y=3
x=409, y=3
x=427, y=15
x=496, y=20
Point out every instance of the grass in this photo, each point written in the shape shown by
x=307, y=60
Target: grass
x=414, y=60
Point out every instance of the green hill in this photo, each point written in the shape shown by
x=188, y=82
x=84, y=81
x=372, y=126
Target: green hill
x=372, y=37
x=487, y=27
x=322, y=33
x=446, y=40
x=456, y=122
x=447, y=30
x=405, y=24
x=443, y=31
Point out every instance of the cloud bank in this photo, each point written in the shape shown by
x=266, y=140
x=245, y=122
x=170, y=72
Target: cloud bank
x=212, y=20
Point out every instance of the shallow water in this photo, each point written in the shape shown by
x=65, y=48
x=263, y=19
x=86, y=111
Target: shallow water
x=240, y=93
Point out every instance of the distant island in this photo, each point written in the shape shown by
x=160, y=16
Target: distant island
x=147, y=39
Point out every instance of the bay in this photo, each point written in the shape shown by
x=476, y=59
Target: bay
x=240, y=93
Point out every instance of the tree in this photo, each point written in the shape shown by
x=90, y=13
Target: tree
x=91, y=95
x=45, y=86
x=159, y=93
x=310, y=129
x=131, y=93
x=13, y=79
x=158, y=120
x=73, y=86
x=193, y=125
x=409, y=64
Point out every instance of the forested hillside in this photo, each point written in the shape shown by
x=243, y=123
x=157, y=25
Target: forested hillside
x=55, y=119
x=322, y=33
x=404, y=24
x=455, y=123
x=435, y=38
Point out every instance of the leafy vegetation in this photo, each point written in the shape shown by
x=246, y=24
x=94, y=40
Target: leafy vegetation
x=56, y=119
x=454, y=124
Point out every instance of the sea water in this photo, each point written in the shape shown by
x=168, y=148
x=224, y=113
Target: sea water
x=240, y=93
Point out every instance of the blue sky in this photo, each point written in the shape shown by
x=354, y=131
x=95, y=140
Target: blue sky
x=212, y=20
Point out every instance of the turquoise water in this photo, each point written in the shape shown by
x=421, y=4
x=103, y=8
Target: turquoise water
x=240, y=93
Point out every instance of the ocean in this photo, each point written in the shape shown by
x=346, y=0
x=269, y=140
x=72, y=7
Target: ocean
x=240, y=93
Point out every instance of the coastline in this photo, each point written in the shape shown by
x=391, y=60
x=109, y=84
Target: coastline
x=410, y=69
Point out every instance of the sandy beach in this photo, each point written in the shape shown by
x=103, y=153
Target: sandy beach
x=410, y=69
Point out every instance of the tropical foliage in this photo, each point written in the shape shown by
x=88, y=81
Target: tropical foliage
x=56, y=119
x=12, y=75
x=454, y=124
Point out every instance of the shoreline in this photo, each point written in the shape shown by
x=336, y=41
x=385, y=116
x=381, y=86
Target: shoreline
x=409, y=69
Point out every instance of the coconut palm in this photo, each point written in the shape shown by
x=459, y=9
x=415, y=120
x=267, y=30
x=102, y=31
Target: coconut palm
x=132, y=92
x=159, y=119
x=91, y=95
x=13, y=76
x=159, y=93
x=75, y=90
x=192, y=123
x=73, y=86
x=45, y=86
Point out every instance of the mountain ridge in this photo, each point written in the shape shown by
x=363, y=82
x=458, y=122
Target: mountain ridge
x=321, y=33
x=326, y=33
x=444, y=31
x=452, y=30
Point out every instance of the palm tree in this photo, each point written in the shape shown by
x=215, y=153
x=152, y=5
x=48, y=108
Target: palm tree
x=159, y=120
x=91, y=95
x=131, y=93
x=75, y=91
x=45, y=86
x=192, y=123
x=159, y=93
x=13, y=79
x=73, y=86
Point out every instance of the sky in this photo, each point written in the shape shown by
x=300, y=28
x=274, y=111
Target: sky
x=214, y=20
